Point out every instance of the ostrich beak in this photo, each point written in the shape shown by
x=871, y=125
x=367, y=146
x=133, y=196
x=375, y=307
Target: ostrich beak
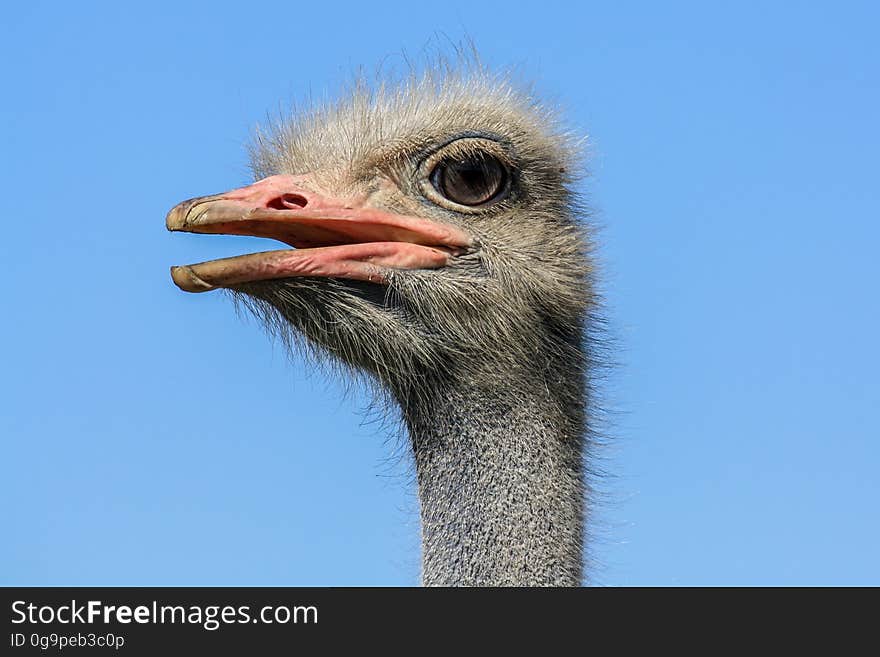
x=333, y=237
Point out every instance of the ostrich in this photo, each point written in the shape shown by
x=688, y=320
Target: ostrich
x=438, y=249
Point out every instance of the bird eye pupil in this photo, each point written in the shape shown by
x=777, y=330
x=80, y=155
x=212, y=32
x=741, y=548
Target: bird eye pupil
x=472, y=181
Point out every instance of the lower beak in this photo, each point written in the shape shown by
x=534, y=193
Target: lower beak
x=332, y=237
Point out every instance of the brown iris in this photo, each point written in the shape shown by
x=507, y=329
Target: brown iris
x=472, y=180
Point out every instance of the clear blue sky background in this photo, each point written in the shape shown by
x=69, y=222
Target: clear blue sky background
x=154, y=437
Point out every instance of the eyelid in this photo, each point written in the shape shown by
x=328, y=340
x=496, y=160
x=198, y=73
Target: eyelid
x=469, y=146
x=467, y=143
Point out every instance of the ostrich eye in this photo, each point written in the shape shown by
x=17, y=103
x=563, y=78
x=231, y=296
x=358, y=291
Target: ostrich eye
x=473, y=180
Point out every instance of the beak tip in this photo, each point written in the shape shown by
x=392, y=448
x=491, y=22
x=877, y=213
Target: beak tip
x=176, y=217
x=186, y=279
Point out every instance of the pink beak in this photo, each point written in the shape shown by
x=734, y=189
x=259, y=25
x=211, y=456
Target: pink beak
x=342, y=238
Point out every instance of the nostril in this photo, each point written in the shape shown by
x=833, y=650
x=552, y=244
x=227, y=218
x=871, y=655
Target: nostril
x=288, y=202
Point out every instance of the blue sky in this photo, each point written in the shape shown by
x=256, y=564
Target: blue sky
x=734, y=160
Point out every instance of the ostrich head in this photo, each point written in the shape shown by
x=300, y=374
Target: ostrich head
x=436, y=248
x=435, y=234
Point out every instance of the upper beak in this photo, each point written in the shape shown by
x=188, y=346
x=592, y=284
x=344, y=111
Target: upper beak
x=353, y=240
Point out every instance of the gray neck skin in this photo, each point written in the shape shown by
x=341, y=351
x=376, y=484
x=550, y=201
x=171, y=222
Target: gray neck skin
x=501, y=487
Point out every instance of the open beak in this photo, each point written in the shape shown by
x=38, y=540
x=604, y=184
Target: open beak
x=337, y=238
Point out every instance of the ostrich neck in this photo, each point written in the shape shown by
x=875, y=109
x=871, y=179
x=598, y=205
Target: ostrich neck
x=501, y=489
